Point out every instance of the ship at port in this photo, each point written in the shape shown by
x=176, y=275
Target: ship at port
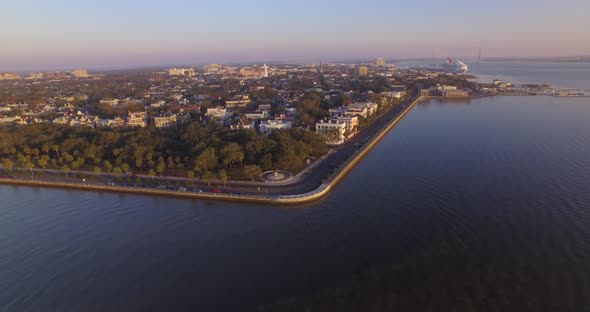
x=451, y=66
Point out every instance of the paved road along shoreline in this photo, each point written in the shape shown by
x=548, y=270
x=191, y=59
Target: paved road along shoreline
x=289, y=194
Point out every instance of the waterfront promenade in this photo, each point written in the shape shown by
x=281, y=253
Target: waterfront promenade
x=313, y=183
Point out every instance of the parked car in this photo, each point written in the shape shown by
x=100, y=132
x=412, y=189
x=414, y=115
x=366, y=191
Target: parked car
x=217, y=191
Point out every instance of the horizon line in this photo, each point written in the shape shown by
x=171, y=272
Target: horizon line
x=303, y=61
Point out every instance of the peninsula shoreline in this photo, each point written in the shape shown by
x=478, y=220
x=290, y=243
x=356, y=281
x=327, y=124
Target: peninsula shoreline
x=283, y=199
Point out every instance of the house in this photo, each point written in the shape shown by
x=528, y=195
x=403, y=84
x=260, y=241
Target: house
x=165, y=121
x=257, y=115
x=117, y=122
x=238, y=101
x=138, y=119
x=246, y=124
x=332, y=130
x=361, y=109
x=266, y=127
x=218, y=113
x=61, y=120
x=352, y=124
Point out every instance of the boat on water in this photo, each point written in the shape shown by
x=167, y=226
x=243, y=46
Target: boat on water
x=451, y=66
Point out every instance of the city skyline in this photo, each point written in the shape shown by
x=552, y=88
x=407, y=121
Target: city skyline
x=106, y=34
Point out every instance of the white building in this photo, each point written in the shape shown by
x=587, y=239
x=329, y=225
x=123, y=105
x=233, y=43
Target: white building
x=266, y=127
x=219, y=113
x=257, y=115
x=332, y=131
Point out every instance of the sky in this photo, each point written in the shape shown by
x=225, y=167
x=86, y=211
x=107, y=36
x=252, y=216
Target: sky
x=67, y=34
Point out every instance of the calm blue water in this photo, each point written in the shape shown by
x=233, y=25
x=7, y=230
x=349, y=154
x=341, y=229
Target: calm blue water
x=481, y=205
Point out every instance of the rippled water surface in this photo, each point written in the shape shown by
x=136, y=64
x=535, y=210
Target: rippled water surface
x=481, y=205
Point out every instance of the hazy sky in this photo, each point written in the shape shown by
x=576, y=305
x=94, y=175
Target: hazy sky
x=38, y=34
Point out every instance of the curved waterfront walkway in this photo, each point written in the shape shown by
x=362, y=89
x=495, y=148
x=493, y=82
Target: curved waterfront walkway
x=313, y=183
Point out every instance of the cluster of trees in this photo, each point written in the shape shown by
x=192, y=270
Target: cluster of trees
x=362, y=85
x=310, y=109
x=459, y=82
x=299, y=84
x=206, y=151
x=266, y=94
x=104, y=110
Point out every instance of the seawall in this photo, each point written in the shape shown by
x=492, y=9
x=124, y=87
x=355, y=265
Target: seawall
x=335, y=178
x=314, y=195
